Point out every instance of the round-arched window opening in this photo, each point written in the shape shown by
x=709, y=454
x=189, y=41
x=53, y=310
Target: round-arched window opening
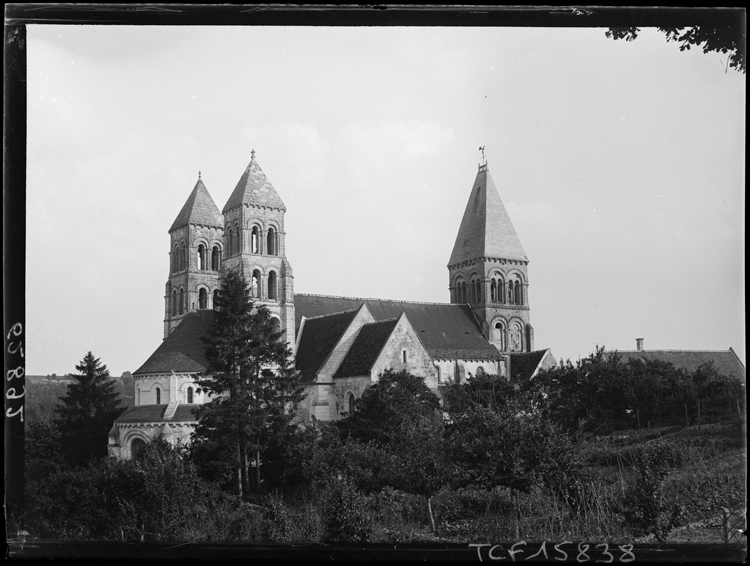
x=190, y=395
x=137, y=446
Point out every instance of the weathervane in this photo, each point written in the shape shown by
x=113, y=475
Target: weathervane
x=483, y=160
x=252, y=154
x=199, y=174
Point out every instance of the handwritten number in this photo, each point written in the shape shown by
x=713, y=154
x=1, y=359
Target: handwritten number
x=558, y=549
x=627, y=553
x=19, y=410
x=11, y=393
x=19, y=347
x=606, y=551
x=582, y=552
x=13, y=373
x=543, y=549
x=15, y=330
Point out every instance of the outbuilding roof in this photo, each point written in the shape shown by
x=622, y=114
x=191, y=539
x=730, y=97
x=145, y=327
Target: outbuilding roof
x=725, y=361
x=183, y=350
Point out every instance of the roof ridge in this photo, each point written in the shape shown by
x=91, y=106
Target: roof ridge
x=332, y=314
x=668, y=350
x=376, y=299
x=395, y=318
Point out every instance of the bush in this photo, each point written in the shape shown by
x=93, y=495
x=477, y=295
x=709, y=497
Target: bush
x=645, y=508
x=345, y=516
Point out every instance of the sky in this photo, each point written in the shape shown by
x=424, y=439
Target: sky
x=621, y=166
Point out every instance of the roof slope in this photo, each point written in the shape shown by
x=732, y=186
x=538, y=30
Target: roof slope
x=254, y=189
x=524, y=364
x=486, y=229
x=199, y=208
x=447, y=331
x=320, y=336
x=725, y=361
x=183, y=350
x=155, y=413
x=366, y=347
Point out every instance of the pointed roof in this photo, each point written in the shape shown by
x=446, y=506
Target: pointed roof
x=254, y=189
x=486, y=229
x=366, y=348
x=320, y=336
x=199, y=208
x=183, y=350
x=725, y=361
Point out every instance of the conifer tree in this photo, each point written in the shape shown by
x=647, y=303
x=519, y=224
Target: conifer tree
x=87, y=412
x=252, y=382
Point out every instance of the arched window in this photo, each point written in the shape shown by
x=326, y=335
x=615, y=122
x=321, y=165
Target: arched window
x=276, y=328
x=463, y=292
x=472, y=292
x=254, y=237
x=216, y=294
x=500, y=291
x=182, y=301
x=511, y=292
x=256, y=284
x=202, y=299
x=229, y=242
x=137, y=446
x=478, y=283
x=202, y=257
x=493, y=291
x=237, y=247
x=516, y=338
x=498, y=335
x=137, y=396
x=158, y=396
x=480, y=371
x=183, y=257
x=175, y=258
x=174, y=302
x=190, y=395
x=350, y=403
x=272, y=284
x=215, y=259
x=271, y=242
x=519, y=293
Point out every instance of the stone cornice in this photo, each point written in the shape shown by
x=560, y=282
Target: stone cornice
x=501, y=261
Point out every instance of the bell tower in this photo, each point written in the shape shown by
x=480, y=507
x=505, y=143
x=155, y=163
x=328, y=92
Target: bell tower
x=254, y=245
x=488, y=269
x=194, y=257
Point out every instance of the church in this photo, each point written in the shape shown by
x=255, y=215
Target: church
x=341, y=344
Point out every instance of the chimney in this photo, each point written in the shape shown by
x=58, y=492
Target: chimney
x=639, y=344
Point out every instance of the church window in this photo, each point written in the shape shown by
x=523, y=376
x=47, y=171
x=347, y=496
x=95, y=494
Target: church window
x=276, y=328
x=202, y=257
x=216, y=294
x=137, y=446
x=202, y=299
x=511, y=292
x=480, y=371
x=516, y=338
x=215, y=259
x=138, y=396
x=500, y=291
x=256, y=284
x=182, y=301
x=498, y=335
x=254, y=240
x=478, y=284
x=174, y=302
x=403, y=354
x=518, y=293
x=190, y=395
x=230, y=241
x=158, y=396
x=271, y=242
x=493, y=291
x=463, y=292
x=272, y=284
x=175, y=259
x=238, y=241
